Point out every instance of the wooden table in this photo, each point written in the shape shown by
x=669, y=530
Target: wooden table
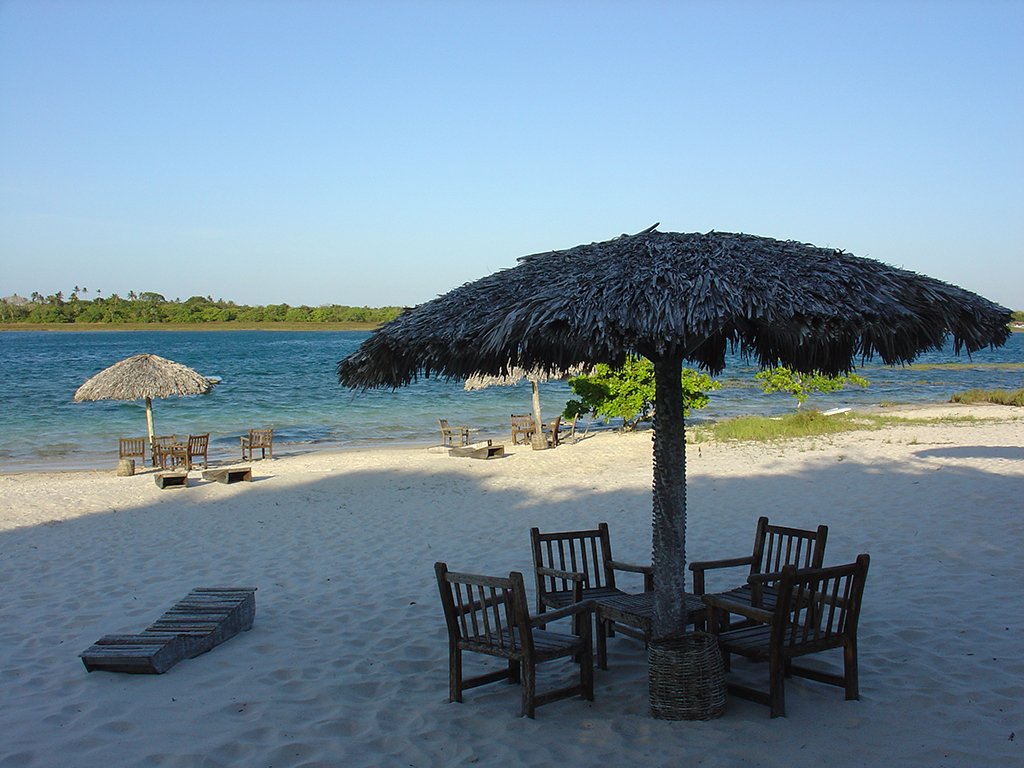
x=173, y=454
x=635, y=611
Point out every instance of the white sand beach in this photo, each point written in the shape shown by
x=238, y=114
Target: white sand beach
x=346, y=664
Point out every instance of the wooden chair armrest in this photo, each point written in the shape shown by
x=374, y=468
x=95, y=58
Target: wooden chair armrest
x=646, y=570
x=575, y=609
x=732, y=562
x=620, y=566
x=557, y=574
x=716, y=602
x=763, y=578
x=699, y=566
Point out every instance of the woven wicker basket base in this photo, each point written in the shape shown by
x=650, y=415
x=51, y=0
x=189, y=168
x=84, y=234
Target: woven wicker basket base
x=686, y=676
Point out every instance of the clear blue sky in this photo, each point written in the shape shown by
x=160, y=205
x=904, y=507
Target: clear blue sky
x=349, y=152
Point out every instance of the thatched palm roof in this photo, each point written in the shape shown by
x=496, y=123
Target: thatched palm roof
x=143, y=376
x=674, y=298
x=515, y=375
x=658, y=293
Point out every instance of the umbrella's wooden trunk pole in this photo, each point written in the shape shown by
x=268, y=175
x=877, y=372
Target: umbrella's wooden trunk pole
x=149, y=419
x=538, y=441
x=669, y=523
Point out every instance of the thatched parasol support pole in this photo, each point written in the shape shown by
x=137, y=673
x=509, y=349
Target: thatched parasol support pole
x=539, y=442
x=669, y=513
x=149, y=418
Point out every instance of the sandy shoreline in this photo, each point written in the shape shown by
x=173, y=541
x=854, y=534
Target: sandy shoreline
x=347, y=665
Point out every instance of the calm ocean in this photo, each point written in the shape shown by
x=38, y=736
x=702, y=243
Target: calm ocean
x=286, y=380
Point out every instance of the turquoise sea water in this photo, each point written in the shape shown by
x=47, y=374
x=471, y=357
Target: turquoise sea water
x=286, y=380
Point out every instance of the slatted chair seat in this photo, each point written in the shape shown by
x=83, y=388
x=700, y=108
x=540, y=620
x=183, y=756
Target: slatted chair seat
x=775, y=546
x=546, y=644
x=489, y=615
x=765, y=597
x=560, y=598
x=817, y=610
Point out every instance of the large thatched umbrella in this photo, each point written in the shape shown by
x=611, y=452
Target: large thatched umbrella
x=672, y=298
x=143, y=377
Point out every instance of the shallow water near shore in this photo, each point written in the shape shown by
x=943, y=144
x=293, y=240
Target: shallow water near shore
x=287, y=380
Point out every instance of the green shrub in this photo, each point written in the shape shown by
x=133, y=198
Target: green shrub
x=997, y=396
x=801, y=385
x=628, y=392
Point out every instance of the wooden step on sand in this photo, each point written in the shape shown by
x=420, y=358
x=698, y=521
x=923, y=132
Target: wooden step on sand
x=204, y=618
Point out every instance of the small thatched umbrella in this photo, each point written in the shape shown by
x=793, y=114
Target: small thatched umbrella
x=675, y=297
x=143, y=377
x=535, y=377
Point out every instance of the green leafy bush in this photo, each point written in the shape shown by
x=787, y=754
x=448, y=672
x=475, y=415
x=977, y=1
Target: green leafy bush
x=628, y=392
x=801, y=385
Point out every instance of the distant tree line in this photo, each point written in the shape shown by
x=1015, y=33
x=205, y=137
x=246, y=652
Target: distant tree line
x=149, y=307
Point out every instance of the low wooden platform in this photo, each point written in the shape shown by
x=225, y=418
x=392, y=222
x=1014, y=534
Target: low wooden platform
x=171, y=479
x=203, y=619
x=478, y=450
x=229, y=475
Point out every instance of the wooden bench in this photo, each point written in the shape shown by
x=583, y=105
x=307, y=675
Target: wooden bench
x=229, y=475
x=478, y=450
x=171, y=479
x=203, y=619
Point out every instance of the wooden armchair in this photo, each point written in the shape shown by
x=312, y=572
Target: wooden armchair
x=775, y=546
x=197, y=447
x=489, y=615
x=448, y=433
x=132, y=447
x=817, y=610
x=571, y=566
x=522, y=427
x=552, y=435
x=577, y=565
x=257, y=439
x=566, y=431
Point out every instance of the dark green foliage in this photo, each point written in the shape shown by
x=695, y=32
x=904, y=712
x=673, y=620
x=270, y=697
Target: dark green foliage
x=628, y=392
x=150, y=307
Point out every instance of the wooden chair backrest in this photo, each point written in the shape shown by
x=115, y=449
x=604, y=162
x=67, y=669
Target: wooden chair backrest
x=198, y=444
x=585, y=552
x=162, y=441
x=819, y=608
x=259, y=438
x=131, y=446
x=776, y=546
x=522, y=420
x=482, y=611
